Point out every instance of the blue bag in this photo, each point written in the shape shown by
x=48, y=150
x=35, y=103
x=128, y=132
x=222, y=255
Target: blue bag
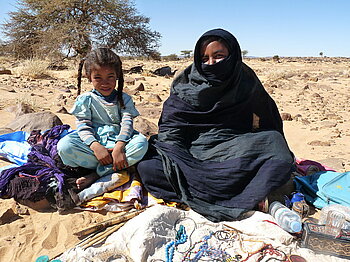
x=325, y=188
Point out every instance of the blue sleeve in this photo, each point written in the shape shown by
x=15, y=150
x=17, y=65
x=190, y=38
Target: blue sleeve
x=129, y=106
x=81, y=110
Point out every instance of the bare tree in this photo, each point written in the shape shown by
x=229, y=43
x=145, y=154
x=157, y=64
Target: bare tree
x=73, y=27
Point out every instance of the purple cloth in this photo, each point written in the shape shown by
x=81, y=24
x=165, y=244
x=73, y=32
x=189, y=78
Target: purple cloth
x=43, y=161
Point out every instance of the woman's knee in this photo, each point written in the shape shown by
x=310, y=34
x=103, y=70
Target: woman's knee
x=142, y=166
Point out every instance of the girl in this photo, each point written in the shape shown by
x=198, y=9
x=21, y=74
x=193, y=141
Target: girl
x=105, y=139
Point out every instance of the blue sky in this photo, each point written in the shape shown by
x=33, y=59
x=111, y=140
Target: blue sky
x=264, y=28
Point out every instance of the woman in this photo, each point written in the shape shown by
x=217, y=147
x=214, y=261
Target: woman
x=220, y=147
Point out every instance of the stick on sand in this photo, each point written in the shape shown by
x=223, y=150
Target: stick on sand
x=107, y=223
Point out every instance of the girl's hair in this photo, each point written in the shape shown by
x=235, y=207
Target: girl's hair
x=103, y=57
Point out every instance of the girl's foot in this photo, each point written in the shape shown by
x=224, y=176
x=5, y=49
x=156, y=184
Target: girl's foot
x=86, y=181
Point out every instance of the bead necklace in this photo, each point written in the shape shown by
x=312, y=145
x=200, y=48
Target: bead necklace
x=204, y=250
x=181, y=237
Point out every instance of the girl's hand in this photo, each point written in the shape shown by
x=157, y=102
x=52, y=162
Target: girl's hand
x=101, y=153
x=119, y=158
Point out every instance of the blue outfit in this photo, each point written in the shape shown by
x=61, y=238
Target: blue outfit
x=101, y=119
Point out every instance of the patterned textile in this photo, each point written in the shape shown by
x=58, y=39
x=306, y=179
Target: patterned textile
x=130, y=195
x=44, y=168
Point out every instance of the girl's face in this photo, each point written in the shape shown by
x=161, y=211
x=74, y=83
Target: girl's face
x=214, y=52
x=104, y=79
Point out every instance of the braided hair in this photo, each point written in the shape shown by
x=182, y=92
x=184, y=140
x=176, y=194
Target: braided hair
x=102, y=57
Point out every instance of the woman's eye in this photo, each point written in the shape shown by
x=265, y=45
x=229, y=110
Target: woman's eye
x=204, y=59
x=218, y=56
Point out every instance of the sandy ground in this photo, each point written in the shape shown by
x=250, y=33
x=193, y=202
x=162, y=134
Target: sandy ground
x=313, y=91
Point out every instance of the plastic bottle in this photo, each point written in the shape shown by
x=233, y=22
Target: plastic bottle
x=285, y=218
x=345, y=210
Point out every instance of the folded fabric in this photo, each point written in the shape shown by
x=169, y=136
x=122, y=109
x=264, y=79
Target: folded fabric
x=130, y=195
x=325, y=188
x=103, y=185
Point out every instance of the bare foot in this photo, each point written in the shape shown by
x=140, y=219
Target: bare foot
x=85, y=181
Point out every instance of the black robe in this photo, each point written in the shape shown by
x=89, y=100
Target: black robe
x=220, y=144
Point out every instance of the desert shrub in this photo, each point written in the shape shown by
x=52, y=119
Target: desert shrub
x=5, y=59
x=34, y=68
x=171, y=57
x=276, y=58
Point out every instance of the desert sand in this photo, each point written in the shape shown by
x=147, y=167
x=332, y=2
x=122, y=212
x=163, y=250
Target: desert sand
x=311, y=93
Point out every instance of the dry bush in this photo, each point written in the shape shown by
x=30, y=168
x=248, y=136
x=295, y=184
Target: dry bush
x=281, y=74
x=5, y=60
x=26, y=101
x=34, y=68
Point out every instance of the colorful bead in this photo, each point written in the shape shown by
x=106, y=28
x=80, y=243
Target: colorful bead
x=181, y=237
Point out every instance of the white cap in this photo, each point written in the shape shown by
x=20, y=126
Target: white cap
x=295, y=226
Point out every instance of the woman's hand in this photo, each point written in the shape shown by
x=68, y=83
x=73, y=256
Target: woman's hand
x=118, y=155
x=101, y=153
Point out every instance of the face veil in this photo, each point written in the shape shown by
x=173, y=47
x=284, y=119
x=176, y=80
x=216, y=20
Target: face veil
x=204, y=86
x=227, y=69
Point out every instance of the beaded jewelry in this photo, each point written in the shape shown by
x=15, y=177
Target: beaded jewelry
x=268, y=250
x=181, y=237
x=191, y=227
x=204, y=250
x=201, y=250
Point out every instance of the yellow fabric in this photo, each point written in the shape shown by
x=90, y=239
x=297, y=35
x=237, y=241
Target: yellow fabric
x=123, y=196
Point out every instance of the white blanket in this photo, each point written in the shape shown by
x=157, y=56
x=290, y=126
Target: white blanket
x=145, y=237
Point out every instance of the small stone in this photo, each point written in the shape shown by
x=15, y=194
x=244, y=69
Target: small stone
x=286, y=117
x=154, y=98
x=66, y=90
x=7, y=216
x=319, y=143
x=328, y=124
x=297, y=117
x=140, y=87
x=62, y=110
x=305, y=121
x=313, y=79
x=129, y=81
x=5, y=72
x=8, y=89
x=71, y=87
x=21, y=210
x=60, y=97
